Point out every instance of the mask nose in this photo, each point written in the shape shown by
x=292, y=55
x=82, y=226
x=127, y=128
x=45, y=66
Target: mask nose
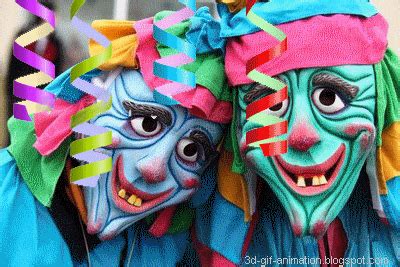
x=153, y=170
x=303, y=137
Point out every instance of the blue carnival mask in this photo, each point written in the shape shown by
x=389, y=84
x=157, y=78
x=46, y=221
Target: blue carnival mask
x=159, y=154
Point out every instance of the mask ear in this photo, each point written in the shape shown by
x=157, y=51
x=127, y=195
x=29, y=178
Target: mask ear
x=207, y=187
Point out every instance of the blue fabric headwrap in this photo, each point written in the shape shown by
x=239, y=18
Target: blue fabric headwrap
x=282, y=11
x=62, y=88
x=205, y=33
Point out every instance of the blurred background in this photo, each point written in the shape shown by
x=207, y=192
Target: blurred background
x=67, y=47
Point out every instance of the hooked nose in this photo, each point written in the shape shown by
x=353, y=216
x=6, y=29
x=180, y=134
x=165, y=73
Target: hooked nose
x=153, y=171
x=303, y=137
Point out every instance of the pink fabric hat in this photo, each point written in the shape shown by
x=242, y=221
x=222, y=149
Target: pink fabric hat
x=318, y=41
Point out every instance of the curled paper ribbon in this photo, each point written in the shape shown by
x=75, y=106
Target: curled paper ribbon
x=26, y=87
x=95, y=136
x=270, y=136
x=166, y=68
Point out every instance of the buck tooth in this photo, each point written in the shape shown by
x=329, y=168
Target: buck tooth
x=132, y=199
x=138, y=202
x=122, y=193
x=315, y=180
x=322, y=180
x=301, y=182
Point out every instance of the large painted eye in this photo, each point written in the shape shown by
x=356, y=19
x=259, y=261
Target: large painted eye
x=327, y=100
x=279, y=109
x=187, y=150
x=146, y=126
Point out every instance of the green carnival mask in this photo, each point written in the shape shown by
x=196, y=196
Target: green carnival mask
x=330, y=112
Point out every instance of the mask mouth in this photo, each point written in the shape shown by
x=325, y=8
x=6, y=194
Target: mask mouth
x=312, y=180
x=131, y=199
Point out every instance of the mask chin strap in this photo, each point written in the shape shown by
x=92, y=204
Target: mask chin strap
x=373, y=182
x=251, y=181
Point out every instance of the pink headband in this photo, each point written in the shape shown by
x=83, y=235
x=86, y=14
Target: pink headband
x=319, y=41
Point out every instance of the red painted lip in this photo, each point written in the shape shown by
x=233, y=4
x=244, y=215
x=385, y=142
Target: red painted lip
x=330, y=168
x=119, y=181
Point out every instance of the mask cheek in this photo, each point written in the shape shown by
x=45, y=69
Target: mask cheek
x=188, y=177
x=362, y=134
x=190, y=182
x=116, y=142
x=243, y=147
x=255, y=158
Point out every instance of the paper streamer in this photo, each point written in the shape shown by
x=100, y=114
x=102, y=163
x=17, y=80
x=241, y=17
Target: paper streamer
x=166, y=68
x=270, y=137
x=95, y=136
x=26, y=87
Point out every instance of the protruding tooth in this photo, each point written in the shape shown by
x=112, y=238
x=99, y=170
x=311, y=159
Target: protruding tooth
x=132, y=199
x=122, y=193
x=301, y=182
x=138, y=202
x=315, y=180
x=322, y=180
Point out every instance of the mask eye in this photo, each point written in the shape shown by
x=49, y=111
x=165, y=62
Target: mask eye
x=327, y=100
x=279, y=109
x=187, y=150
x=146, y=126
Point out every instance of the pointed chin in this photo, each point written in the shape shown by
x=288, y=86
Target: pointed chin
x=93, y=227
x=310, y=206
x=107, y=235
x=302, y=225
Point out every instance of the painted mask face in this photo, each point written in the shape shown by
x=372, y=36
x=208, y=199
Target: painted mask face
x=331, y=132
x=159, y=154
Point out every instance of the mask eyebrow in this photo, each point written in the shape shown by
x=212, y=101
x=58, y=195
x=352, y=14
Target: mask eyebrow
x=136, y=110
x=200, y=137
x=334, y=82
x=258, y=91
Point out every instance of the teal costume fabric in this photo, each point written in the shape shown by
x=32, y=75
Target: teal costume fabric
x=282, y=11
x=29, y=237
x=273, y=235
x=370, y=239
x=170, y=249
x=390, y=203
x=219, y=224
x=205, y=33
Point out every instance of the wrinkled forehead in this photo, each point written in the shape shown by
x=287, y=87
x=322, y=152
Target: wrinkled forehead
x=301, y=78
x=129, y=84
